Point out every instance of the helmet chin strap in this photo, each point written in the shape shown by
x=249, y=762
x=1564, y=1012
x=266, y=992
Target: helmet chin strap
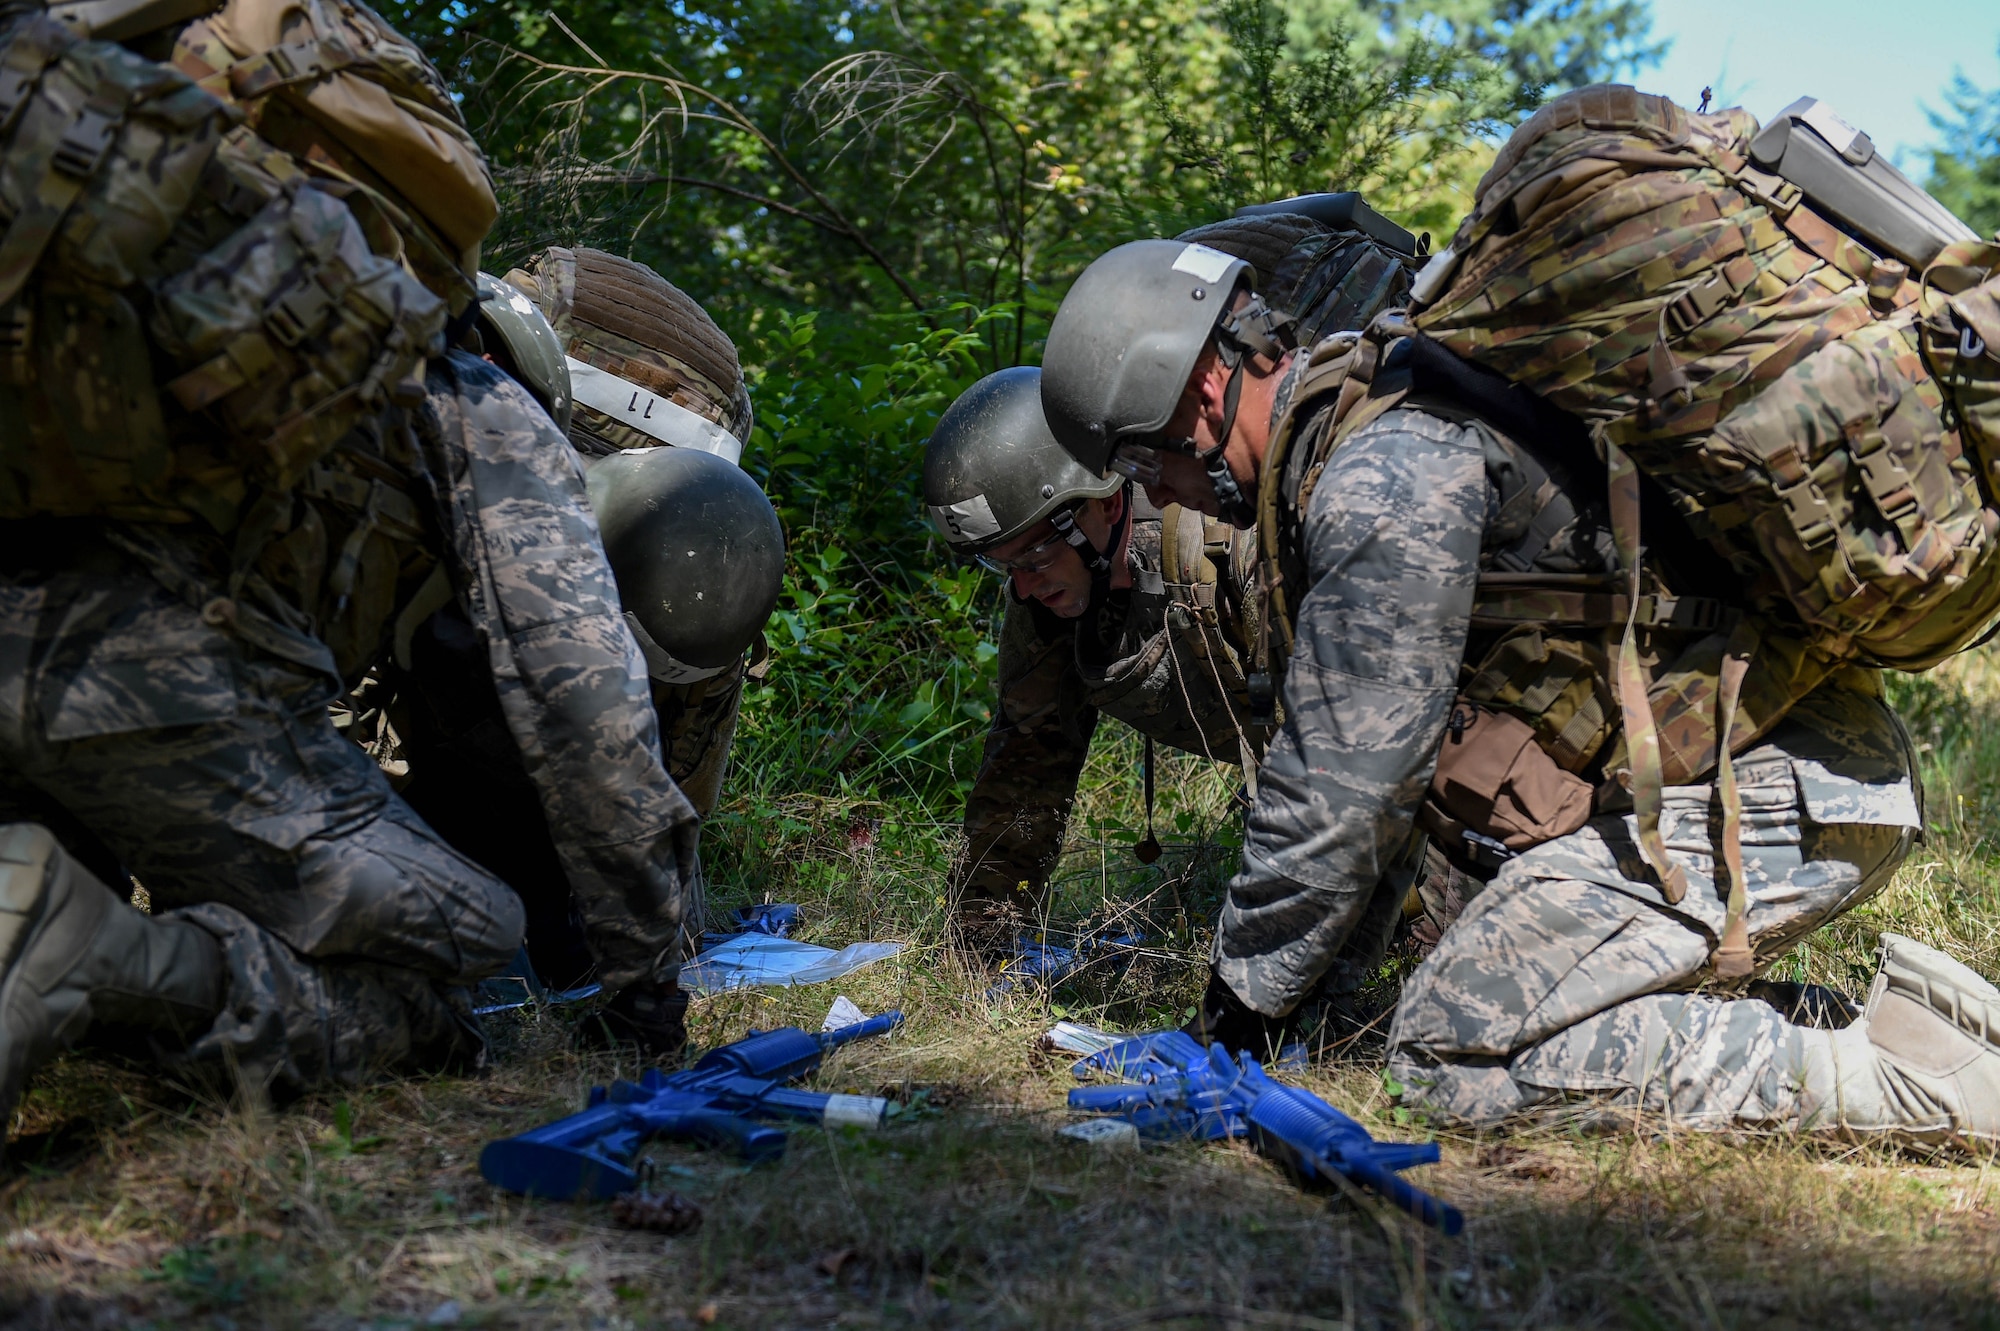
x=1096, y=560
x=1255, y=329
x=1232, y=505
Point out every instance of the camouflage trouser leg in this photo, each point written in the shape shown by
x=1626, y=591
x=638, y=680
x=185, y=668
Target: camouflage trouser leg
x=1570, y=979
x=215, y=776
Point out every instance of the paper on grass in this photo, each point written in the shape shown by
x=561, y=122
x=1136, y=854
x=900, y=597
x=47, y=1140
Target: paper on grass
x=758, y=959
x=842, y=1014
x=1072, y=1038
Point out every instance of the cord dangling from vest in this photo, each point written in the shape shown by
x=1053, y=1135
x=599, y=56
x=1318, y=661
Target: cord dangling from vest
x=1148, y=851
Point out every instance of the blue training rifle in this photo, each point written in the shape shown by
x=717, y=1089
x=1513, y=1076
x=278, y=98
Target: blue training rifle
x=1183, y=1091
x=718, y=1101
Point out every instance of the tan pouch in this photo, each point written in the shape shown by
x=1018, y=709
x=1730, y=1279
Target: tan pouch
x=390, y=121
x=1494, y=782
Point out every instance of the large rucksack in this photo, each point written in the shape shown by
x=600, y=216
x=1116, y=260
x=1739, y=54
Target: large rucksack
x=192, y=312
x=1328, y=260
x=1819, y=413
x=1631, y=264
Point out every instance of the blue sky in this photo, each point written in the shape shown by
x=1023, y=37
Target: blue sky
x=1878, y=62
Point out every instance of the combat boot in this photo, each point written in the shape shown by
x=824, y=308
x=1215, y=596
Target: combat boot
x=1227, y=1020
x=650, y=1015
x=1922, y=1065
x=72, y=952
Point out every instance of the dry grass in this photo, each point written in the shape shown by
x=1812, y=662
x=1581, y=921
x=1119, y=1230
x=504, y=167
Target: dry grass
x=131, y=1202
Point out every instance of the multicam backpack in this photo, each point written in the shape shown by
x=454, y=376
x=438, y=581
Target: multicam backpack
x=1815, y=414
x=270, y=272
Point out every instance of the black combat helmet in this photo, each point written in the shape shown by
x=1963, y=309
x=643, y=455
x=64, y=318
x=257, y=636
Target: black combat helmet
x=992, y=470
x=697, y=551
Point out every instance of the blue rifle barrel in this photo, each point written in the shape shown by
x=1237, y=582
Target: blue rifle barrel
x=1313, y=1138
x=591, y=1154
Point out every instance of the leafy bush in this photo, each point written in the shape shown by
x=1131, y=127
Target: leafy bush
x=881, y=681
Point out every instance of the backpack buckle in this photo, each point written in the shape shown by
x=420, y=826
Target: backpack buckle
x=1778, y=195
x=1806, y=509
x=1485, y=851
x=83, y=144
x=298, y=314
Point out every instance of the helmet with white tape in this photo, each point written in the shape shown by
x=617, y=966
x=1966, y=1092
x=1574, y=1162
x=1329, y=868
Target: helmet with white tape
x=992, y=470
x=647, y=366
x=1125, y=341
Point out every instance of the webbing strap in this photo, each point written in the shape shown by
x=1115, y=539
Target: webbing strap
x=77, y=153
x=34, y=45
x=1497, y=605
x=1733, y=959
x=1642, y=736
x=293, y=62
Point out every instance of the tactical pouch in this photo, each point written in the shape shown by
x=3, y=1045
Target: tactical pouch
x=1496, y=791
x=329, y=82
x=293, y=328
x=1961, y=342
x=100, y=154
x=1843, y=484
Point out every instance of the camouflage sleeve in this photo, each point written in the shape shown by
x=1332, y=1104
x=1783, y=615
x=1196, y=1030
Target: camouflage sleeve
x=1019, y=804
x=1392, y=543
x=529, y=569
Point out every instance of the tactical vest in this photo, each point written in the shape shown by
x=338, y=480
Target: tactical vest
x=1752, y=385
x=202, y=324
x=1195, y=596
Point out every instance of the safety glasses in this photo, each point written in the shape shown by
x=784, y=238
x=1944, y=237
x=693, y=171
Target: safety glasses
x=1036, y=559
x=1141, y=462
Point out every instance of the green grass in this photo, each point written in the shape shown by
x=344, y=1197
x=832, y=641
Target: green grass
x=131, y=1202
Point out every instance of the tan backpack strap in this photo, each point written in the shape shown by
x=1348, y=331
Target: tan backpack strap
x=1170, y=543
x=1502, y=600
x=1642, y=736
x=294, y=62
x=431, y=596
x=1734, y=959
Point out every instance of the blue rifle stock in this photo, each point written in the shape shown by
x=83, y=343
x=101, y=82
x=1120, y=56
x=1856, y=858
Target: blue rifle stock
x=594, y=1153
x=1184, y=1091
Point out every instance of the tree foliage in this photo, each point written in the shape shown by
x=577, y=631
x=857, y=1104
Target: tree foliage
x=1965, y=171
x=846, y=158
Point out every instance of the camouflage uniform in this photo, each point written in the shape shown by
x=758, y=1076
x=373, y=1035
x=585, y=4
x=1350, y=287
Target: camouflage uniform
x=1165, y=658
x=467, y=779
x=187, y=729
x=1569, y=973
